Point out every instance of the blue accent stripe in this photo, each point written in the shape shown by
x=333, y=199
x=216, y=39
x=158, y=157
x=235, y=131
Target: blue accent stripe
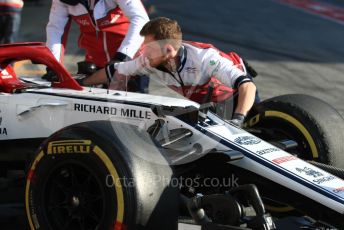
x=266, y=163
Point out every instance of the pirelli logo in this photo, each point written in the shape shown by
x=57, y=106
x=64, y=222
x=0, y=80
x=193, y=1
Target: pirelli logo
x=69, y=146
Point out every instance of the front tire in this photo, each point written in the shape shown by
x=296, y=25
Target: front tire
x=315, y=125
x=91, y=176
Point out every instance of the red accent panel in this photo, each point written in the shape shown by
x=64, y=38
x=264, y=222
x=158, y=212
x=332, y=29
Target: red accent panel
x=281, y=160
x=198, y=93
x=114, y=24
x=85, y=23
x=8, y=80
x=38, y=53
x=234, y=57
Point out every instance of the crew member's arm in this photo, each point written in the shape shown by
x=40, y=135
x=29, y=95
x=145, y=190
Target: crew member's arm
x=137, y=15
x=57, y=29
x=247, y=93
x=117, y=72
x=230, y=75
x=97, y=78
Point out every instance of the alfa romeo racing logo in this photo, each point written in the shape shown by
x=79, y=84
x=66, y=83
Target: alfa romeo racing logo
x=247, y=140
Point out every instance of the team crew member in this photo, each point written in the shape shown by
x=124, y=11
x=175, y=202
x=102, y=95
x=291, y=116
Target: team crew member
x=188, y=68
x=108, y=28
x=10, y=11
x=109, y=31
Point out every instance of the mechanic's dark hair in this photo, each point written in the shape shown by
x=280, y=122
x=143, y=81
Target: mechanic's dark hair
x=164, y=29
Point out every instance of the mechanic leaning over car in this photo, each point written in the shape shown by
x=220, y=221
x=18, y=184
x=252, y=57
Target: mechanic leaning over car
x=109, y=29
x=187, y=67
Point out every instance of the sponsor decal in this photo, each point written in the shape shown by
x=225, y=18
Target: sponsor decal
x=192, y=90
x=323, y=179
x=3, y=130
x=212, y=62
x=108, y=22
x=265, y=151
x=104, y=23
x=310, y=172
x=5, y=74
x=83, y=22
x=338, y=190
x=114, y=19
x=33, y=212
x=69, y=146
x=106, y=110
x=132, y=113
x=95, y=109
x=281, y=160
x=191, y=69
x=247, y=140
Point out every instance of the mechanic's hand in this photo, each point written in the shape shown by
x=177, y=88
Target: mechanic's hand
x=119, y=57
x=119, y=82
x=50, y=76
x=237, y=120
x=87, y=68
x=132, y=67
x=116, y=72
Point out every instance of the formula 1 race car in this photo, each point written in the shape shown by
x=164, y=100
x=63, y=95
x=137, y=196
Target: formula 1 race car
x=104, y=159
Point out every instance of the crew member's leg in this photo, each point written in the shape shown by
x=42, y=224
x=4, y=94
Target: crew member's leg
x=3, y=27
x=12, y=27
